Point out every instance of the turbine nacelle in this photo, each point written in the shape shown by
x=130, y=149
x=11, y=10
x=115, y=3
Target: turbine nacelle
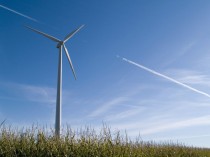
x=60, y=44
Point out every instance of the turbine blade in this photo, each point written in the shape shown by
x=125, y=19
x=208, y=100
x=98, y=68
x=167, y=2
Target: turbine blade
x=70, y=62
x=44, y=34
x=72, y=34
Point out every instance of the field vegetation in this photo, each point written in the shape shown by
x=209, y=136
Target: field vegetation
x=35, y=142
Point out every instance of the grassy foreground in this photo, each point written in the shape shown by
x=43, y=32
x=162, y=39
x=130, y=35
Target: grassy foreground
x=36, y=142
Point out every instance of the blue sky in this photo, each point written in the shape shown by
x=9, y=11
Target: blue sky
x=170, y=37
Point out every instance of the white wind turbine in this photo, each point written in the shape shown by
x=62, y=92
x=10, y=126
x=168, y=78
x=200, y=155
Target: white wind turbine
x=60, y=45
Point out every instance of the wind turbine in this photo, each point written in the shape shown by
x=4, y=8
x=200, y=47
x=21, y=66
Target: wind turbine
x=60, y=45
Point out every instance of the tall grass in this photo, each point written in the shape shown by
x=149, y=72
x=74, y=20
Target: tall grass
x=35, y=142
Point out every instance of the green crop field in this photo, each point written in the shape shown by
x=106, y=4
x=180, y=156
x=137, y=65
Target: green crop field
x=87, y=142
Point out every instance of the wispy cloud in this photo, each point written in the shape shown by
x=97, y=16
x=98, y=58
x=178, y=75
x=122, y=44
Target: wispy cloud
x=124, y=114
x=38, y=94
x=160, y=124
x=189, y=76
x=166, y=77
x=181, y=52
x=199, y=121
x=18, y=13
x=29, y=92
x=107, y=106
x=181, y=137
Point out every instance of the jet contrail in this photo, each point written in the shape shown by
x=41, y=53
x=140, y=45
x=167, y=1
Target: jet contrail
x=166, y=77
x=30, y=18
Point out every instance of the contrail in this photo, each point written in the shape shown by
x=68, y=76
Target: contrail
x=30, y=18
x=166, y=77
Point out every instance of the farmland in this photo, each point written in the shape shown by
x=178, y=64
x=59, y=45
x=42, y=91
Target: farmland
x=87, y=143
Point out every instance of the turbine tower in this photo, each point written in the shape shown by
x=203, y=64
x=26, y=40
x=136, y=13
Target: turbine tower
x=60, y=46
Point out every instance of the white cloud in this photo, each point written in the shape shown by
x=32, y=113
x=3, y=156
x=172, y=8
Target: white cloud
x=125, y=114
x=166, y=125
x=180, y=52
x=189, y=76
x=24, y=92
x=204, y=120
x=107, y=106
x=37, y=93
x=180, y=137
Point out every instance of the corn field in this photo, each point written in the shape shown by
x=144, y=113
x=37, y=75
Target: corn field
x=86, y=142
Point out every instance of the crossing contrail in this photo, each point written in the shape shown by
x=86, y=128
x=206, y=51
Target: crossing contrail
x=166, y=77
x=18, y=13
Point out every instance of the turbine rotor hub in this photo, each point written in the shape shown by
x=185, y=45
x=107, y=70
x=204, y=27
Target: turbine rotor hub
x=60, y=44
